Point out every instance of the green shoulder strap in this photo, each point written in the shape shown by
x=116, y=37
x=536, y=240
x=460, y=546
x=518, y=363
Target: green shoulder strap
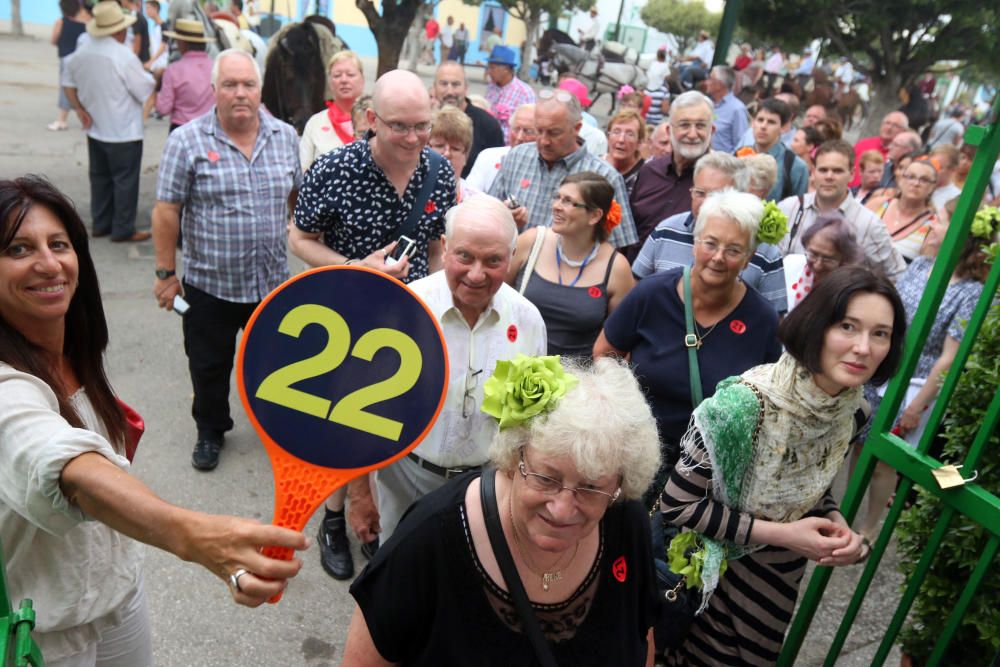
x=691, y=342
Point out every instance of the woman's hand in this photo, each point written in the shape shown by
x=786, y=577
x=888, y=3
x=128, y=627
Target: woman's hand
x=909, y=420
x=847, y=555
x=816, y=538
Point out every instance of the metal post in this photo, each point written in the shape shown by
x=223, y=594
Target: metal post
x=729, y=16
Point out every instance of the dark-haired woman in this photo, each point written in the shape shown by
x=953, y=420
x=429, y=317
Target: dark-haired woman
x=758, y=459
x=577, y=278
x=65, y=31
x=68, y=506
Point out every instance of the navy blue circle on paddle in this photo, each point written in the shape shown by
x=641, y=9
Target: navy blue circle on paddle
x=343, y=368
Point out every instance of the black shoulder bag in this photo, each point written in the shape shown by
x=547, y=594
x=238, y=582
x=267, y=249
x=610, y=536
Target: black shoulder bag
x=409, y=225
x=488, y=495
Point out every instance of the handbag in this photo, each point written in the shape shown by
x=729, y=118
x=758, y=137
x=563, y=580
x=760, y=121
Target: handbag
x=135, y=426
x=488, y=496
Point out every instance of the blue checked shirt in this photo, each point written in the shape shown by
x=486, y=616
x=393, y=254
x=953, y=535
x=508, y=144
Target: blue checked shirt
x=235, y=210
x=533, y=183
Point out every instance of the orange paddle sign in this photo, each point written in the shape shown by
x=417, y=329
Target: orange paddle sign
x=342, y=370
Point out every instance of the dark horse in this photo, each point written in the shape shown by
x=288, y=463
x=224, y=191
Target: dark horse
x=543, y=58
x=295, y=76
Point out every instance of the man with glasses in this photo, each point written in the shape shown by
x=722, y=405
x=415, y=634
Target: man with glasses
x=672, y=242
x=355, y=199
x=902, y=144
x=662, y=188
x=532, y=172
x=832, y=175
x=234, y=172
x=893, y=123
x=522, y=130
x=483, y=321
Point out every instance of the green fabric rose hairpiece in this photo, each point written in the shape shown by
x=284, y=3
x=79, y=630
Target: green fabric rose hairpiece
x=986, y=223
x=774, y=224
x=524, y=388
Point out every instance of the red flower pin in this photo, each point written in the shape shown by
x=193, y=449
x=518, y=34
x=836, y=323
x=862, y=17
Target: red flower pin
x=213, y=156
x=325, y=128
x=430, y=207
x=620, y=569
x=595, y=292
x=512, y=333
x=737, y=327
x=497, y=165
x=525, y=183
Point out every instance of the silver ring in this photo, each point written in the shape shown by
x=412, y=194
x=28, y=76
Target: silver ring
x=234, y=579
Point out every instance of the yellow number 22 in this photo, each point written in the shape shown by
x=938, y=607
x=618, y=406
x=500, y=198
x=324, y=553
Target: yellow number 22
x=349, y=410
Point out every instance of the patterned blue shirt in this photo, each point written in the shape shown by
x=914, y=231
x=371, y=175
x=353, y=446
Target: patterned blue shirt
x=672, y=244
x=349, y=200
x=524, y=174
x=235, y=210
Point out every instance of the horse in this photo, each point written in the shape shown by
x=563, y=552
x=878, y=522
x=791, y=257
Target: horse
x=604, y=77
x=848, y=104
x=548, y=39
x=295, y=81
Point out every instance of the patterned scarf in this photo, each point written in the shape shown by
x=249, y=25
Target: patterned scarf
x=775, y=441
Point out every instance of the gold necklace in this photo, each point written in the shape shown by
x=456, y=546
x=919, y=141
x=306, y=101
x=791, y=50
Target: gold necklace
x=548, y=578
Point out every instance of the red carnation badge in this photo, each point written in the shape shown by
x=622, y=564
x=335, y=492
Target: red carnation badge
x=512, y=333
x=325, y=128
x=430, y=207
x=525, y=183
x=737, y=327
x=620, y=569
x=595, y=292
x=497, y=165
x=213, y=156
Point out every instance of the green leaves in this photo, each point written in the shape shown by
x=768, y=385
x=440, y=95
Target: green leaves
x=680, y=18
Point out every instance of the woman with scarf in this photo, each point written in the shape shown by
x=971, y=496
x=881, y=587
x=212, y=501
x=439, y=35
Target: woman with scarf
x=752, y=484
x=332, y=128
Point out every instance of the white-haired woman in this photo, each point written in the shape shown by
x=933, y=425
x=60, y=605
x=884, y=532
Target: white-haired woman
x=763, y=172
x=734, y=328
x=332, y=127
x=566, y=483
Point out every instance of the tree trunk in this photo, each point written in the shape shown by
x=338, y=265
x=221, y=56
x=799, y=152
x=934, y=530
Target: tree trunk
x=528, y=54
x=16, y=26
x=390, y=45
x=884, y=98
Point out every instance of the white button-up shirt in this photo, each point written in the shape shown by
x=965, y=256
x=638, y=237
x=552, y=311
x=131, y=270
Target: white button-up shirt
x=511, y=324
x=112, y=87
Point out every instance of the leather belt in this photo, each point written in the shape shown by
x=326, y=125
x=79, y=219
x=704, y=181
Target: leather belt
x=447, y=473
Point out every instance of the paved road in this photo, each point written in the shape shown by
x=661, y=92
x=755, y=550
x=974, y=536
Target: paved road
x=194, y=620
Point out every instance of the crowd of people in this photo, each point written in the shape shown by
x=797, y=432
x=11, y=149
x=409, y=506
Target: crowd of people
x=706, y=303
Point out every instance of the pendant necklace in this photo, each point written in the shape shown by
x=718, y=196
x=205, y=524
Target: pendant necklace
x=582, y=263
x=548, y=578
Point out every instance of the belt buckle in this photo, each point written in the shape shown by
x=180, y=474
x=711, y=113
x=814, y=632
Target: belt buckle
x=454, y=472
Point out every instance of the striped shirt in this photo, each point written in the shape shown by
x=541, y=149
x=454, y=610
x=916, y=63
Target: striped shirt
x=672, y=244
x=526, y=176
x=235, y=209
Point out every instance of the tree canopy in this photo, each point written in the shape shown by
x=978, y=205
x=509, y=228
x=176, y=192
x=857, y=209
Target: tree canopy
x=681, y=18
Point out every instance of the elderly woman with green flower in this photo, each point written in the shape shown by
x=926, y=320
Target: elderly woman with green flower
x=576, y=447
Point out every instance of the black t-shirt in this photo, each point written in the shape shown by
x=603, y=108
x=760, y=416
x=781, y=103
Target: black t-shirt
x=486, y=133
x=428, y=601
x=140, y=31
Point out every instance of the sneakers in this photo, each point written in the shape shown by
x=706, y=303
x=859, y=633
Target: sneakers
x=334, y=549
x=206, y=454
x=57, y=126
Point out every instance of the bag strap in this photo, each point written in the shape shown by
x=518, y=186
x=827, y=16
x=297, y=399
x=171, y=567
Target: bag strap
x=409, y=225
x=529, y=266
x=798, y=221
x=488, y=496
x=691, y=342
x=786, y=183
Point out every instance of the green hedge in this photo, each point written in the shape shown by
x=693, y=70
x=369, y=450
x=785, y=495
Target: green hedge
x=978, y=638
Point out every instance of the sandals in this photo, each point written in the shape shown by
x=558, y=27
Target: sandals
x=57, y=126
x=866, y=550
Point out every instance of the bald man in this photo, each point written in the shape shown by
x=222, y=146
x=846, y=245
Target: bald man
x=893, y=123
x=357, y=201
x=483, y=320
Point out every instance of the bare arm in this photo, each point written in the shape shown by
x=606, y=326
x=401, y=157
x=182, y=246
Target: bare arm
x=620, y=283
x=521, y=252
x=602, y=348
x=221, y=544
x=56, y=29
x=166, y=228
x=74, y=101
x=910, y=418
x=360, y=651
x=362, y=515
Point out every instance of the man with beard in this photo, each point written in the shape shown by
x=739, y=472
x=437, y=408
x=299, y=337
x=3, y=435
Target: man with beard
x=663, y=187
x=450, y=87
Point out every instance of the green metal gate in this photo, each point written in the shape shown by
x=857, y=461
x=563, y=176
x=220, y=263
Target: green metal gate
x=16, y=645
x=915, y=466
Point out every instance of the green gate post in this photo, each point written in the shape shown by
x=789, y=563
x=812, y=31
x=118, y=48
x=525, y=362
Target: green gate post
x=17, y=625
x=729, y=16
x=915, y=466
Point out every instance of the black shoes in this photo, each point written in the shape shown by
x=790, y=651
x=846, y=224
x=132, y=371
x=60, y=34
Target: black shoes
x=334, y=549
x=368, y=549
x=206, y=454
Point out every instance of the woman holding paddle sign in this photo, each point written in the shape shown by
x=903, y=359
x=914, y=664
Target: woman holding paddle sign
x=68, y=506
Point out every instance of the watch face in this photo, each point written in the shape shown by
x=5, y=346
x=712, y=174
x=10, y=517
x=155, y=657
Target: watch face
x=163, y=274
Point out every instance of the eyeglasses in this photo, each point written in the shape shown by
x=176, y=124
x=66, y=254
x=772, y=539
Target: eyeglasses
x=585, y=496
x=700, y=193
x=566, y=201
x=402, y=129
x=469, y=400
x=622, y=132
x=913, y=178
x=822, y=260
x=684, y=126
x=561, y=95
x=729, y=252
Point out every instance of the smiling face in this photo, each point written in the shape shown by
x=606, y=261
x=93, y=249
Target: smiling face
x=570, y=216
x=691, y=131
x=476, y=258
x=456, y=152
x=720, y=252
x=346, y=81
x=237, y=90
x=449, y=85
x=855, y=347
x=38, y=273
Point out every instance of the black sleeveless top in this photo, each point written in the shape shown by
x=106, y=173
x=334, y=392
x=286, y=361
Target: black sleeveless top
x=70, y=32
x=574, y=316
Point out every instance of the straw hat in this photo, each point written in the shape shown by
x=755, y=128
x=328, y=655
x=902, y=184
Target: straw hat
x=188, y=30
x=108, y=19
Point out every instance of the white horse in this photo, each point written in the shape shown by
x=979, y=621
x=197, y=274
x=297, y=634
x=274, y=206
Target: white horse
x=603, y=77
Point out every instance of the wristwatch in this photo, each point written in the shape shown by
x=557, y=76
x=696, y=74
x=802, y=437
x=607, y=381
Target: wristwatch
x=163, y=274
